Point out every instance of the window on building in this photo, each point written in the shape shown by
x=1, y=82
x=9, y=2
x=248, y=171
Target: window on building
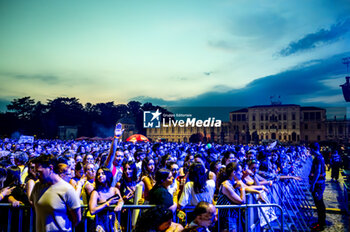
x=318, y=138
x=238, y=117
x=266, y=117
x=306, y=138
x=293, y=116
x=330, y=129
x=293, y=126
x=285, y=137
x=262, y=126
x=266, y=127
x=253, y=117
x=261, y=117
x=340, y=130
x=312, y=116
x=243, y=127
x=284, y=116
x=306, y=116
x=318, y=115
x=285, y=126
x=279, y=126
x=266, y=136
x=279, y=117
x=253, y=126
x=234, y=118
x=306, y=126
x=280, y=137
x=243, y=117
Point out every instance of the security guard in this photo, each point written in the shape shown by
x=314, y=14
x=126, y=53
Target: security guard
x=317, y=179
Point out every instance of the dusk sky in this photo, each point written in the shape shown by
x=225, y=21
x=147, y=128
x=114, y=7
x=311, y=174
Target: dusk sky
x=175, y=53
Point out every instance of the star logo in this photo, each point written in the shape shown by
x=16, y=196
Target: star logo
x=151, y=119
x=156, y=115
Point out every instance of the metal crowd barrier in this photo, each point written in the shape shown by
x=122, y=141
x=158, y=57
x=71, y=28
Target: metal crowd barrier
x=11, y=222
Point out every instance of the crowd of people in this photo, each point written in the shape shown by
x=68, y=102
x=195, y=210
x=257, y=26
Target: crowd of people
x=57, y=177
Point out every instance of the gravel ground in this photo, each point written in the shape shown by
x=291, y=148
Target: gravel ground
x=333, y=198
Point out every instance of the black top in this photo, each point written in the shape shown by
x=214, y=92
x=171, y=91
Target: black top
x=159, y=195
x=318, y=171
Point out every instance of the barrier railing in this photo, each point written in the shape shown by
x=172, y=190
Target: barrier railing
x=11, y=226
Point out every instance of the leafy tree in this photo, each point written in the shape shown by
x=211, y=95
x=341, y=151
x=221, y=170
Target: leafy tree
x=22, y=107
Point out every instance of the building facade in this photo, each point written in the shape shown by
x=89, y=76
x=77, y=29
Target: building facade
x=286, y=123
x=338, y=130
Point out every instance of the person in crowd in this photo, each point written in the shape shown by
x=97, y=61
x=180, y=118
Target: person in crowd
x=232, y=191
x=199, y=188
x=31, y=178
x=139, y=156
x=128, y=182
x=148, y=176
x=253, y=177
x=127, y=187
x=317, y=180
x=335, y=164
x=157, y=219
x=159, y=194
x=200, y=159
x=89, y=182
x=205, y=217
x=56, y=205
x=18, y=195
x=115, y=156
x=64, y=172
x=21, y=160
x=165, y=159
x=78, y=172
x=88, y=159
x=101, y=198
x=183, y=172
x=228, y=157
x=174, y=188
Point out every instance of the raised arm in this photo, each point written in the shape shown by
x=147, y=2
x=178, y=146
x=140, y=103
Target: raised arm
x=111, y=155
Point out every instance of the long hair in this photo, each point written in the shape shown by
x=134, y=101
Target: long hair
x=13, y=176
x=145, y=171
x=225, y=172
x=134, y=170
x=198, y=176
x=109, y=179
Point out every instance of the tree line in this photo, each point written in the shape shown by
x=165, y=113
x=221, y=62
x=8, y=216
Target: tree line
x=30, y=117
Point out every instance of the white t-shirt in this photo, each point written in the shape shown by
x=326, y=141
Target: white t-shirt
x=51, y=203
x=189, y=197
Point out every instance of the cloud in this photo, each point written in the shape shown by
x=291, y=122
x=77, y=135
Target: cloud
x=223, y=45
x=47, y=78
x=318, y=38
x=302, y=84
